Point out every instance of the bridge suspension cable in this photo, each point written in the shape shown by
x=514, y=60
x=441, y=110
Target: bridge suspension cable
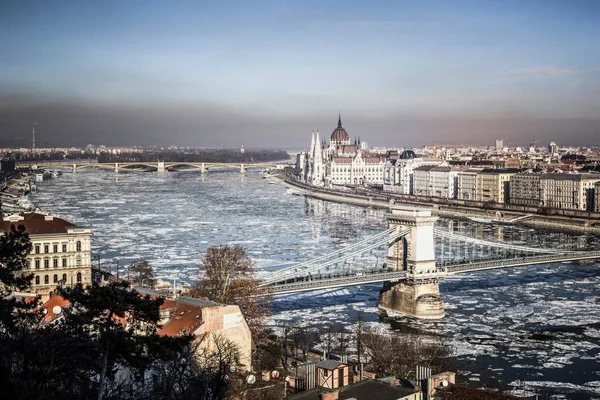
x=454, y=236
x=315, y=264
x=334, y=253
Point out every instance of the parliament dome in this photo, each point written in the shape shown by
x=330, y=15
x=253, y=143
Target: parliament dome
x=339, y=134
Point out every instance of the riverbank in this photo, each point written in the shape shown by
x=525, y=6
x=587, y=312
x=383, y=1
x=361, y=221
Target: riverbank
x=387, y=201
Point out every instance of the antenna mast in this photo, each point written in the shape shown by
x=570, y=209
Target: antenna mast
x=33, y=139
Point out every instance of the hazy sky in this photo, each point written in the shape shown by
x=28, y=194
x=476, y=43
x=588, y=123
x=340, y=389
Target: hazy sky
x=257, y=73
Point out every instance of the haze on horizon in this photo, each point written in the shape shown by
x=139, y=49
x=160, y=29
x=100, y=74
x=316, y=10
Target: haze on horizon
x=265, y=74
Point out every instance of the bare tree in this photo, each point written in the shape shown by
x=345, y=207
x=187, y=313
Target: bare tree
x=230, y=278
x=399, y=354
x=141, y=273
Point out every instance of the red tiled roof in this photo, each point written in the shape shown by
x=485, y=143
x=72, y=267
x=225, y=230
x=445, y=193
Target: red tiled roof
x=186, y=318
x=372, y=160
x=168, y=304
x=37, y=224
x=54, y=301
x=349, y=149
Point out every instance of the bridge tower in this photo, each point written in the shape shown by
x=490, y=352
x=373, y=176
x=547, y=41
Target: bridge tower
x=418, y=295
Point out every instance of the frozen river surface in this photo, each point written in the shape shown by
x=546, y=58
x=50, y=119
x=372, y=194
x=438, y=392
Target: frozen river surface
x=536, y=328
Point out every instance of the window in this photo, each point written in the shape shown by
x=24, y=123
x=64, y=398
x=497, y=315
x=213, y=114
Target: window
x=64, y=278
x=55, y=278
x=64, y=248
x=55, y=248
x=78, y=245
x=37, y=249
x=46, y=248
x=55, y=263
x=79, y=277
x=64, y=262
x=37, y=279
x=37, y=263
x=46, y=263
x=78, y=261
x=46, y=279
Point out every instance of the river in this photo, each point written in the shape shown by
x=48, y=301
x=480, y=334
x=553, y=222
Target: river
x=536, y=328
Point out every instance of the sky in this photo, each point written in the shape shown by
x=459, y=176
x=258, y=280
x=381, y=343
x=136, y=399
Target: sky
x=268, y=73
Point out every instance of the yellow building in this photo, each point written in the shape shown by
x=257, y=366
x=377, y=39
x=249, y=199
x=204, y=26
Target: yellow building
x=493, y=185
x=61, y=251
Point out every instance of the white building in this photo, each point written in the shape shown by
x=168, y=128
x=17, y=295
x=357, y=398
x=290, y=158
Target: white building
x=559, y=190
x=569, y=191
x=435, y=180
x=466, y=184
x=399, y=173
x=339, y=162
x=61, y=251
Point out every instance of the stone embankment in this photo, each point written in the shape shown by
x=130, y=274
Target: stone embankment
x=387, y=201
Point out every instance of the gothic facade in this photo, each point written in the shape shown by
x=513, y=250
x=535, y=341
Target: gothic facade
x=339, y=162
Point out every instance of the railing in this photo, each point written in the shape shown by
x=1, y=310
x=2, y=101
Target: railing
x=338, y=281
x=521, y=261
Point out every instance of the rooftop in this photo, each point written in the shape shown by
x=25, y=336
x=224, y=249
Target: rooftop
x=38, y=224
x=54, y=307
x=329, y=364
x=186, y=315
x=460, y=392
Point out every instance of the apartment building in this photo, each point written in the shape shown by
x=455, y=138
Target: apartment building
x=597, y=197
x=436, y=181
x=61, y=251
x=399, y=174
x=569, y=191
x=525, y=189
x=493, y=185
x=466, y=183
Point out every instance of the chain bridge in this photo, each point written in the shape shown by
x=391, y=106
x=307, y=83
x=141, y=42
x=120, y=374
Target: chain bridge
x=412, y=270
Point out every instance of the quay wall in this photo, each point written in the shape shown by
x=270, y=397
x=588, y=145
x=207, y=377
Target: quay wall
x=567, y=220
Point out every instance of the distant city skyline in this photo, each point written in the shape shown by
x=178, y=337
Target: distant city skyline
x=265, y=74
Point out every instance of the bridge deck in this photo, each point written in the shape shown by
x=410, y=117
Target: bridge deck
x=342, y=281
x=374, y=277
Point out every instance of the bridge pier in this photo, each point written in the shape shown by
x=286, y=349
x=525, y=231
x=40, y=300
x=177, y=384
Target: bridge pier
x=419, y=294
x=242, y=169
x=116, y=168
x=203, y=169
x=161, y=166
x=74, y=168
x=420, y=300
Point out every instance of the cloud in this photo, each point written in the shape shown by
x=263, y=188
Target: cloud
x=544, y=71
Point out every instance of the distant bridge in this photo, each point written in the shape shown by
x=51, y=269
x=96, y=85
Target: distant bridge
x=160, y=166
